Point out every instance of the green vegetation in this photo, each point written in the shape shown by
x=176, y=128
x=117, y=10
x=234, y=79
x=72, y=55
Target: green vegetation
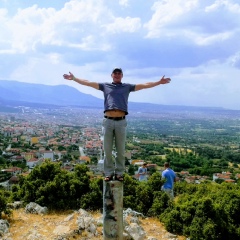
x=50, y=186
x=201, y=145
x=206, y=211
x=4, y=199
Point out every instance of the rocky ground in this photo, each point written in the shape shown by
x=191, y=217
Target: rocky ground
x=65, y=226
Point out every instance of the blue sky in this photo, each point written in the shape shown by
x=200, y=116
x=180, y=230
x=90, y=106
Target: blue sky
x=195, y=42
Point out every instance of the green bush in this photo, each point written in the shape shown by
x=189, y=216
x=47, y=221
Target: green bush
x=209, y=213
x=160, y=204
x=54, y=188
x=93, y=200
x=202, y=212
x=4, y=209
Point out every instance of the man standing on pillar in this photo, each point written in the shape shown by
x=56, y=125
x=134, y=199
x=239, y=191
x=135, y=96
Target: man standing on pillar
x=114, y=121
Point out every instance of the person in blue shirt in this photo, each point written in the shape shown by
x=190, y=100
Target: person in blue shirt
x=114, y=122
x=169, y=175
x=142, y=172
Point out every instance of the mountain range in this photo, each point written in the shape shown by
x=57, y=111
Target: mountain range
x=14, y=93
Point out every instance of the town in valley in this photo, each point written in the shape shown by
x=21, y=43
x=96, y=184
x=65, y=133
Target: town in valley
x=201, y=145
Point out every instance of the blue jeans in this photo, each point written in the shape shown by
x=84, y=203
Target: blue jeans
x=114, y=132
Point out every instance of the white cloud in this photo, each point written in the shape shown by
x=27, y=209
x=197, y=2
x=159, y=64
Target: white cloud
x=202, y=22
x=232, y=7
x=196, y=43
x=217, y=84
x=27, y=27
x=234, y=60
x=124, y=3
x=3, y=13
x=48, y=70
x=214, y=6
x=34, y=25
x=90, y=43
x=79, y=24
x=127, y=24
x=167, y=11
x=208, y=39
x=82, y=11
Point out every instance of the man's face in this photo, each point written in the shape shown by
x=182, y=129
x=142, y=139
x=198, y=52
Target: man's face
x=117, y=76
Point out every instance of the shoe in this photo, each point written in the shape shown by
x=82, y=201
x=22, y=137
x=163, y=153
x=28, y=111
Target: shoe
x=108, y=178
x=119, y=178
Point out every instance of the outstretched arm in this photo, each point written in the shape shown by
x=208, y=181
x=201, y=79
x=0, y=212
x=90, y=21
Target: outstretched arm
x=141, y=86
x=84, y=82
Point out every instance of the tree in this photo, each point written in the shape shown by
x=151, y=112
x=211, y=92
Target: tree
x=3, y=203
x=219, y=181
x=129, y=192
x=61, y=148
x=144, y=198
x=50, y=186
x=94, y=160
x=205, y=211
x=90, y=200
x=155, y=182
x=131, y=170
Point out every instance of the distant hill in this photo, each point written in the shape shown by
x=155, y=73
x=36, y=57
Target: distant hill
x=14, y=93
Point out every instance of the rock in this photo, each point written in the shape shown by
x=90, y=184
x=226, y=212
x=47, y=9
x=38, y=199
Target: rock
x=15, y=205
x=84, y=213
x=35, y=208
x=171, y=236
x=61, y=229
x=84, y=222
x=86, y=226
x=99, y=221
x=4, y=227
x=134, y=220
x=126, y=236
x=151, y=238
x=130, y=212
x=34, y=235
x=93, y=229
x=135, y=231
x=69, y=218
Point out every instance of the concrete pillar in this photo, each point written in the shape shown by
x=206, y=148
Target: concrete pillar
x=113, y=210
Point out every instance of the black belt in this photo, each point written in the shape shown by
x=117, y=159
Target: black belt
x=115, y=118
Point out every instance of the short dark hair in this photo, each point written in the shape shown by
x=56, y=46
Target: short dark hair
x=145, y=164
x=117, y=70
x=166, y=164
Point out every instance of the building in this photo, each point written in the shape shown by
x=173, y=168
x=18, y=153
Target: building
x=84, y=159
x=34, y=140
x=47, y=155
x=33, y=162
x=13, y=170
x=100, y=165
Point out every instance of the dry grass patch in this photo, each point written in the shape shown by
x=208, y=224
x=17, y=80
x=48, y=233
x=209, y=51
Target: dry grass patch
x=23, y=224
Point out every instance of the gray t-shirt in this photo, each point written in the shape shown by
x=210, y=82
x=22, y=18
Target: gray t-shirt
x=116, y=95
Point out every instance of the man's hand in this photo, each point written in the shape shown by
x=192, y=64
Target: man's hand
x=84, y=82
x=165, y=80
x=69, y=76
x=141, y=86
